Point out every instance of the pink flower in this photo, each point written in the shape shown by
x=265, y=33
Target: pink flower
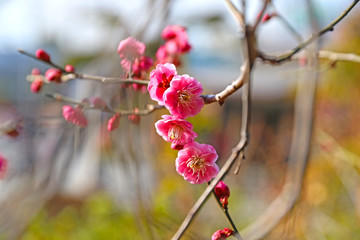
x=183, y=99
x=160, y=79
x=3, y=167
x=53, y=75
x=113, y=122
x=36, y=85
x=74, y=115
x=41, y=54
x=130, y=49
x=177, y=36
x=222, y=234
x=97, y=102
x=196, y=163
x=177, y=131
x=222, y=191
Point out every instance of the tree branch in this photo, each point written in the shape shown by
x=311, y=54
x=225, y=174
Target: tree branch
x=287, y=56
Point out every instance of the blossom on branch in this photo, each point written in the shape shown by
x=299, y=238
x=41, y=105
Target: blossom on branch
x=222, y=191
x=41, y=54
x=130, y=49
x=182, y=98
x=196, y=162
x=74, y=115
x=53, y=75
x=36, y=85
x=222, y=234
x=160, y=79
x=177, y=131
x=113, y=122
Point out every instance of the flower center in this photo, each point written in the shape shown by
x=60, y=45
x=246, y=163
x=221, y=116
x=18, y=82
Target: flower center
x=175, y=132
x=165, y=84
x=197, y=164
x=184, y=96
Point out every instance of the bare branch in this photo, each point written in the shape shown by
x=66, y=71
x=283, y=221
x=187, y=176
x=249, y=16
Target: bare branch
x=287, y=56
x=149, y=108
x=237, y=14
x=258, y=20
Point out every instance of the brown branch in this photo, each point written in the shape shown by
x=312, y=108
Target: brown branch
x=298, y=156
x=149, y=108
x=237, y=14
x=287, y=56
x=38, y=59
x=258, y=20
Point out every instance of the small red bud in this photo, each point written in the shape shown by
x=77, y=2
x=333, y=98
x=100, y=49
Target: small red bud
x=36, y=85
x=35, y=71
x=222, y=234
x=53, y=75
x=41, y=54
x=3, y=167
x=113, y=122
x=70, y=68
x=266, y=17
x=222, y=191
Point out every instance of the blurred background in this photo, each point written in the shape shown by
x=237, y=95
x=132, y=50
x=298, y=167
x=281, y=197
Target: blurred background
x=86, y=183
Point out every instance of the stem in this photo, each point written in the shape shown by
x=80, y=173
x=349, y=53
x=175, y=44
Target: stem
x=226, y=212
x=38, y=59
x=287, y=56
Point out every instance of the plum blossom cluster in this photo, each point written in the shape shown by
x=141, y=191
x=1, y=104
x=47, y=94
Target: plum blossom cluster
x=176, y=44
x=52, y=75
x=181, y=95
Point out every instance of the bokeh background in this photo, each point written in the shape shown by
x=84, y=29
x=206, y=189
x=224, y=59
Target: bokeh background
x=74, y=183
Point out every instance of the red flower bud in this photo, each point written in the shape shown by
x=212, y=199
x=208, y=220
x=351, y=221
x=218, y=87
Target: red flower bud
x=69, y=68
x=53, y=75
x=222, y=234
x=36, y=85
x=222, y=191
x=113, y=122
x=41, y=54
x=35, y=71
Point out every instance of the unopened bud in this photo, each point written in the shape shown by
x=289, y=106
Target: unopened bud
x=41, y=54
x=222, y=191
x=36, y=85
x=53, y=75
x=70, y=68
x=113, y=122
x=222, y=234
x=35, y=71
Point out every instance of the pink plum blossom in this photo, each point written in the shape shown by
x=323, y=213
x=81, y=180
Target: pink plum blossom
x=182, y=98
x=3, y=166
x=177, y=131
x=196, y=162
x=178, y=37
x=130, y=49
x=74, y=115
x=222, y=191
x=113, y=122
x=160, y=79
x=222, y=234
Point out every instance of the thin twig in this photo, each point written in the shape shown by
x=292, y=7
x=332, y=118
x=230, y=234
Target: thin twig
x=149, y=108
x=237, y=14
x=259, y=18
x=287, y=56
x=39, y=59
x=298, y=157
